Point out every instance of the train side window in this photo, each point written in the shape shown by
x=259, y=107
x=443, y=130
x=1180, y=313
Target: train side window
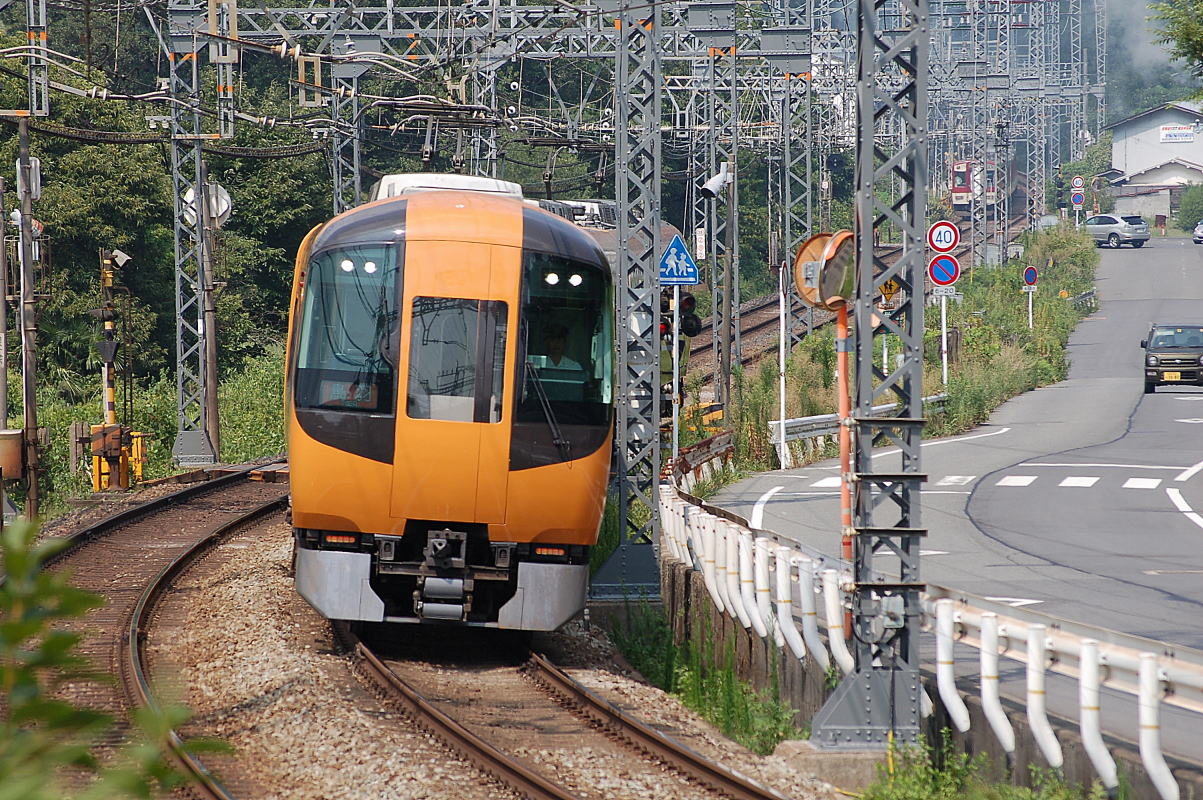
x=456, y=359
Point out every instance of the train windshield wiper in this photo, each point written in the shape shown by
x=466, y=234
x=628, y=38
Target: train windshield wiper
x=557, y=437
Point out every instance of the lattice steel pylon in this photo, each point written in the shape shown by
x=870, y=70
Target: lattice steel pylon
x=878, y=703
x=193, y=446
x=637, y=190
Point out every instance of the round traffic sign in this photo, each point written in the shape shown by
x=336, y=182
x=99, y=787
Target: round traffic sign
x=1030, y=275
x=1078, y=182
x=1077, y=198
x=944, y=270
x=943, y=236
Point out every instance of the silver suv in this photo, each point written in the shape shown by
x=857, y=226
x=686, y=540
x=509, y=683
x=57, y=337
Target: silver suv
x=1114, y=230
x=1197, y=236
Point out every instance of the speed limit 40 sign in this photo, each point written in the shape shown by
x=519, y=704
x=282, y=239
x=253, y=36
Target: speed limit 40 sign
x=943, y=237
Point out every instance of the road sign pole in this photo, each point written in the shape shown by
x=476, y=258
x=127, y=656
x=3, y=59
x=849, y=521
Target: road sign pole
x=1030, y=309
x=676, y=371
x=944, y=339
x=783, y=453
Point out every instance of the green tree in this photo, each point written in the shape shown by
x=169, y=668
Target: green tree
x=1190, y=207
x=1181, y=27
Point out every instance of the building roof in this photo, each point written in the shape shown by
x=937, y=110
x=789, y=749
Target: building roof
x=1182, y=162
x=1186, y=106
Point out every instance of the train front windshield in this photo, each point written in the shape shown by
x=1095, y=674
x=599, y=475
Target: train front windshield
x=563, y=409
x=347, y=348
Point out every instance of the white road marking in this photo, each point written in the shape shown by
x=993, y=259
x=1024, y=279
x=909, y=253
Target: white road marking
x=1189, y=472
x=934, y=442
x=1015, y=602
x=1016, y=480
x=1192, y=421
x=758, y=509
x=1120, y=466
x=955, y=480
x=943, y=491
x=1170, y=571
x=933, y=553
x=823, y=483
x=1176, y=499
x=1079, y=480
x=1142, y=483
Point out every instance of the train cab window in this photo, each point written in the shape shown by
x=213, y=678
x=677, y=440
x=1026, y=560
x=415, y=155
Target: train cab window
x=566, y=350
x=456, y=359
x=347, y=338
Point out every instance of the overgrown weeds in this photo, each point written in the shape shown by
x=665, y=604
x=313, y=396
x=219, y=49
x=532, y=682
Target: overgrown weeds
x=945, y=773
x=705, y=680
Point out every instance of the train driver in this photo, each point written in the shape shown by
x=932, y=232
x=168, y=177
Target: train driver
x=555, y=337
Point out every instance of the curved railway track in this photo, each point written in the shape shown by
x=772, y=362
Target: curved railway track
x=130, y=559
x=465, y=705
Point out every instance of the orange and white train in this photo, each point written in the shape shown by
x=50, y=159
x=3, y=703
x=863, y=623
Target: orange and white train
x=450, y=408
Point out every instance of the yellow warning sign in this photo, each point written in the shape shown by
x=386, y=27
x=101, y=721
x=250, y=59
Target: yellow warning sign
x=889, y=289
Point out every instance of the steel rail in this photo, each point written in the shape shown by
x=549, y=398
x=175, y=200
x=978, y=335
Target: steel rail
x=673, y=753
x=471, y=747
x=206, y=782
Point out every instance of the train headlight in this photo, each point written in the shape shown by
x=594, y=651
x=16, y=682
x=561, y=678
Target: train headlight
x=369, y=267
x=575, y=279
x=552, y=278
x=347, y=265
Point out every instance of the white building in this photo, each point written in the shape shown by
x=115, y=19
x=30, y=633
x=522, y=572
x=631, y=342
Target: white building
x=1153, y=155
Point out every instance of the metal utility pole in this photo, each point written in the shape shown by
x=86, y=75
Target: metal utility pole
x=877, y=704
x=29, y=324
x=209, y=305
x=3, y=314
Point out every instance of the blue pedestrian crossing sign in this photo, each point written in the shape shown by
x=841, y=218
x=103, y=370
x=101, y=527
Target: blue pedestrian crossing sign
x=677, y=267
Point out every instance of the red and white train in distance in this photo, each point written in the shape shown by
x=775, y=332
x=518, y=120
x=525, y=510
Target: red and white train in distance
x=973, y=180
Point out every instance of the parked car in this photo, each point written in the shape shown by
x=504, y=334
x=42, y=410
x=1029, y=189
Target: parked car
x=1198, y=234
x=1173, y=355
x=1114, y=230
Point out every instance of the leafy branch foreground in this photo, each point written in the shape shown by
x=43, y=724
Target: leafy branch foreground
x=45, y=742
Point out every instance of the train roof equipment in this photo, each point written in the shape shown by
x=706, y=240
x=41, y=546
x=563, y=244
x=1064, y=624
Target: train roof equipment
x=406, y=183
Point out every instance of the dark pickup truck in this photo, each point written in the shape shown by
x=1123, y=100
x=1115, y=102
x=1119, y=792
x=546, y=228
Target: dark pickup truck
x=1173, y=355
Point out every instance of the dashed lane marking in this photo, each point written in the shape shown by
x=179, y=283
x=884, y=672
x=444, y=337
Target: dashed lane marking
x=825, y=483
x=1016, y=480
x=1142, y=483
x=1080, y=481
x=955, y=480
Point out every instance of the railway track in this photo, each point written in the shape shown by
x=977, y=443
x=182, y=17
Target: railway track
x=509, y=714
x=130, y=560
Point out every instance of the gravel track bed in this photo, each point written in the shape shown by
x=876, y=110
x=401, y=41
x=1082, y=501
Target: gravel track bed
x=262, y=671
x=497, y=702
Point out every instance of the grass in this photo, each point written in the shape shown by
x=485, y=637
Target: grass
x=944, y=773
x=705, y=680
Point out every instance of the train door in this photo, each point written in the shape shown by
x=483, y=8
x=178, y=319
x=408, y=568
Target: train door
x=452, y=444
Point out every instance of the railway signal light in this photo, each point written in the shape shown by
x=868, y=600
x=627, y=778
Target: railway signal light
x=690, y=322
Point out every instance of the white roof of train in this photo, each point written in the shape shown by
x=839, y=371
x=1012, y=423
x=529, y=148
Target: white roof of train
x=395, y=185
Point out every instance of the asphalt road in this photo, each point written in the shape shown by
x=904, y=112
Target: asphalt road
x=1083, y=500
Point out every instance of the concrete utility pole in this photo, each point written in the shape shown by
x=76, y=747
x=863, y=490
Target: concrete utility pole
x=29, y=323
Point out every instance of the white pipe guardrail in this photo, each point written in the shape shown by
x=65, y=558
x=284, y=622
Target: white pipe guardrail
x=829, y=424
x=741, y=569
